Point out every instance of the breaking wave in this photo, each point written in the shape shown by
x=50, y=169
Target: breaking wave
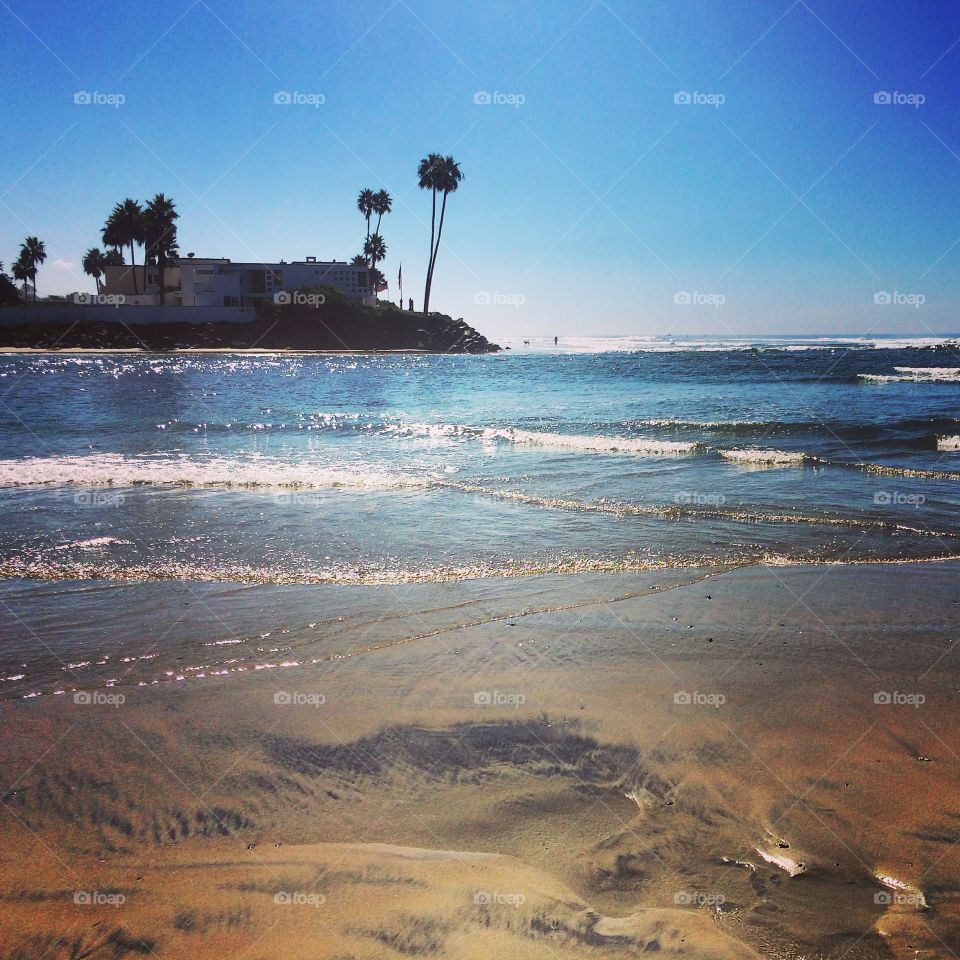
x=593, y=444
x=252, y=473
x=669, y=344
x=583, y=443
x=916, y=375
x=777, y=458
x=259, y=472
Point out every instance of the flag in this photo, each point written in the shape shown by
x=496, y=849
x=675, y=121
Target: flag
x=400, y=275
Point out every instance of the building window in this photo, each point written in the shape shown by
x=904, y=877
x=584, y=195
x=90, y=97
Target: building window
x=231, y=301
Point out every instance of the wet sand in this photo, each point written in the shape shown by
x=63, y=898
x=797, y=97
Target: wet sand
x=756, y=762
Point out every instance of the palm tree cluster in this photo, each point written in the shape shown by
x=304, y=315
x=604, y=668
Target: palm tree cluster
x=439, y=174
x=9, y=295
x=24, y=269
x=374, y=248
x=442, y=175
x=152, y=226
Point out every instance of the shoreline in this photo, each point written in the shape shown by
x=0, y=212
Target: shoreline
x=378, y=580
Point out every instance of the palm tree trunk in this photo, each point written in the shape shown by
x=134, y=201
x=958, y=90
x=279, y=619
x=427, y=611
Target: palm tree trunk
x=133, y=267
x=373, y=262
x=436, y=249
x=426, y=289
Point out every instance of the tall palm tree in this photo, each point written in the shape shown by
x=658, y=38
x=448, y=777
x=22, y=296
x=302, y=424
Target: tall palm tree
x=359, y=260
x=165, y=250
x=375, y=249
x=21, y=272
x=33, y=253
x=428, y=178
x=132, y=218
x=365, y=206
x=382, y=203
x=112, y=238
x=125, y=227
x=444, y=175
x=160, y=236
x=93, y=264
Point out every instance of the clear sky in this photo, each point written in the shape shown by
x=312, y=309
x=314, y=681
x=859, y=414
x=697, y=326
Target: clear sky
x=781, y=199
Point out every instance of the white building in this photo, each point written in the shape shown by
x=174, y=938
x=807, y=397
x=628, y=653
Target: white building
x=205, y=282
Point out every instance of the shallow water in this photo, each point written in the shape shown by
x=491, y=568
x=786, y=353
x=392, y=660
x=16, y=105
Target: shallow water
x=312, y=468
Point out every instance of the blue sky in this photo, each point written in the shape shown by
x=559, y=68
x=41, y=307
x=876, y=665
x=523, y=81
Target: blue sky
x=783, y=199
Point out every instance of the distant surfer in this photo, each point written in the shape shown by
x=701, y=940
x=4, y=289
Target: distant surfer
x=555, y=341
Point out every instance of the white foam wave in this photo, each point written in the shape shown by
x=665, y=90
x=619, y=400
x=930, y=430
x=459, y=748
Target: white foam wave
x=95, y=543
x=916, y=375
x=255, y=472
x=948, y=443
x=705, y=424
x=668, y=344
x=766, y=457
x=432, y=431
x=931, y=373
x=583, y=443
x=593, y=444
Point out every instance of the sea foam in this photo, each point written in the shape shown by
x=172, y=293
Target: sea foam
x=765, y=457
x=916, y=375
x=593, y=444
x=575, y=443
x=254, y=472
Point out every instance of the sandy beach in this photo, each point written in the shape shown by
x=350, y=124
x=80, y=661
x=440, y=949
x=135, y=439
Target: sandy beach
x=756, y=762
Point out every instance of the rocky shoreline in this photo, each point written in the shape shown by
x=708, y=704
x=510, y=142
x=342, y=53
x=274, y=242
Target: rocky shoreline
x=336, y=323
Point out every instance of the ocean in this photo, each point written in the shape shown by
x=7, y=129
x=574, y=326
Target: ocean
x=597, y=455
x=397, y=468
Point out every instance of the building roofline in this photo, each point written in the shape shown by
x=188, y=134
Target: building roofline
x=180, y=260
x=275, y=263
